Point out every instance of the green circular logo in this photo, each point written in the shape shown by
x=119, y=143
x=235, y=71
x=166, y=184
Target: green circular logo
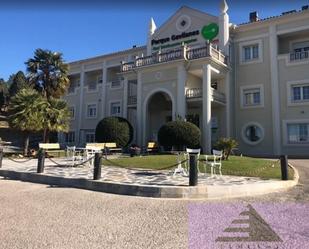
x=210, y=31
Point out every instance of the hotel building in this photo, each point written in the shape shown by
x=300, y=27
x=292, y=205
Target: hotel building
x=248, y=81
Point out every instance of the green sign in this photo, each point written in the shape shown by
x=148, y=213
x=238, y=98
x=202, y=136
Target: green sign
x=210, y=31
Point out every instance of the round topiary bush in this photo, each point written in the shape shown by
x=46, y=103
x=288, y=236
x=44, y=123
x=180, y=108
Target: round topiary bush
x=114, y=129
x=179, y=134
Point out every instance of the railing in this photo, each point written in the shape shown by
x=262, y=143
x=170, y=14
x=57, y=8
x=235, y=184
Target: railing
x=197, y=93
x=132, y=100
x=178, y=54
x=194, y=93
x=218, y=96
x=297, y=56
x=197, y=53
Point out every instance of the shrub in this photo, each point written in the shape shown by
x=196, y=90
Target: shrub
x=227, y=145
x=179, y=134
x=114, y=129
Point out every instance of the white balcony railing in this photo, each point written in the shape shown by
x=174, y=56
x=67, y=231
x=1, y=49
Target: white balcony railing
x=193, y=93
x=178, y=54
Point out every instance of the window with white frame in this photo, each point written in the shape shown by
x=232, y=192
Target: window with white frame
x=300, y=93
x=250, y=52
x=90, y=137
x=69, y=137
x=252, y=133
x=297, y=133
x=91, y=111
x=115, y=108
x=72, y=112
x=252, y=96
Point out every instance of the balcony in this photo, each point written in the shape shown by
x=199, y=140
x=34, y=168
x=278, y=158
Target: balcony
x=196, y=93
x=299, y=56
x=178, y=54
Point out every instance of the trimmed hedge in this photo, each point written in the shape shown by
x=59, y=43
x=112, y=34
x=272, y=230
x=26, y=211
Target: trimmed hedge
x=179, y=134
x=114, y=129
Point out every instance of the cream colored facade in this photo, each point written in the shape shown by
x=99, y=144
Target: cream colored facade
x=251, y=83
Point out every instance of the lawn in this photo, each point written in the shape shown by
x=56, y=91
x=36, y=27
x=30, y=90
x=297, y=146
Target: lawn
x=242, y=166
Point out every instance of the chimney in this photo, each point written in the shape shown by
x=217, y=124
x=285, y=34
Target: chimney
x=253, y=16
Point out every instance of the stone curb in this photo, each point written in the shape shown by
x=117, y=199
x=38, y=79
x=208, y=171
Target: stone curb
x=186, y=192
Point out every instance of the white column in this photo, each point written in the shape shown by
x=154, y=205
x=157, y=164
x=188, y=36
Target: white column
x=206, y=122
x=139, y=123
x=125, y=98
x=103, y=98
x=228, y=104
x=151, y=29
x=81, y=104
x=181, y=94
x=273, y=51
x=224, y=30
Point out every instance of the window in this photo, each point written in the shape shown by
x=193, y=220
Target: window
x=72, y=112
x=251, y=52
x=252, y=133
x=91, y=111
x=252, y=96
x=115, y=109
x=90, y=137
x=92, y=86
x=298, y=133
x=300, y=93
x=69, y=137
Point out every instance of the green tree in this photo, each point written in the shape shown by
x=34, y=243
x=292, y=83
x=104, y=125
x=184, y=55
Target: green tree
x=26, y=113
x=48, y=73
x=226, y=145
x=30, y=112
x=114, y=129
x=3, y=93
x=19, y=81
x=56, y=117
x=179, y=134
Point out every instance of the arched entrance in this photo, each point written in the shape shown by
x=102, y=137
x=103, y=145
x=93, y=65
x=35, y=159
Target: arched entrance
x=159, y=110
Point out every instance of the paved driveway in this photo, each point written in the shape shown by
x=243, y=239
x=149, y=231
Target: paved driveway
x=40, y=216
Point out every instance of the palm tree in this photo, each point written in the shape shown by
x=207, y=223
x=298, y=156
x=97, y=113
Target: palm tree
x=48, y=73
x=56, y=117
x=26, y=113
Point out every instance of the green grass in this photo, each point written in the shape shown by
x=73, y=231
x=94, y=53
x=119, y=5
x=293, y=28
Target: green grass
x=241, y=166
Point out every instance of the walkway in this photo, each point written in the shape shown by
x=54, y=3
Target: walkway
x=126, y=176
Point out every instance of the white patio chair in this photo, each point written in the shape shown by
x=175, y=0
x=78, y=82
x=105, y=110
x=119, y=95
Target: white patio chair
x=72, y=154
x=90, y=152
x=216, y=163
x=186, y=156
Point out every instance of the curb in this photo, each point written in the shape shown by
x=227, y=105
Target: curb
x=156, y=191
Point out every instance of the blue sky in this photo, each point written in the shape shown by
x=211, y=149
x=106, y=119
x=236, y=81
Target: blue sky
x=82, y=29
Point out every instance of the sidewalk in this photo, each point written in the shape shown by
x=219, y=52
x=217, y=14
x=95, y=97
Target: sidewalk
x=142, y=182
